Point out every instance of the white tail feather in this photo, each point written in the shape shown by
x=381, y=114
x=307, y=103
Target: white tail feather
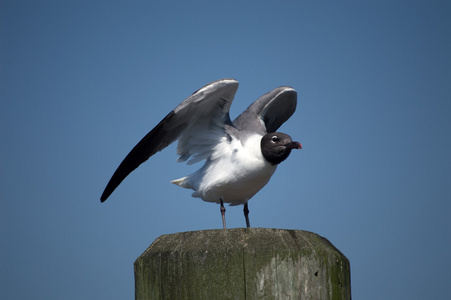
x=182, y=182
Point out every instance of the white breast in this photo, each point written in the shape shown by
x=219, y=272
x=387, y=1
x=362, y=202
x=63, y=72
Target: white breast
x=235, y=172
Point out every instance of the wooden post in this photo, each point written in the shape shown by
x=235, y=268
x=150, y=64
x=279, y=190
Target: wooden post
x=240, y=263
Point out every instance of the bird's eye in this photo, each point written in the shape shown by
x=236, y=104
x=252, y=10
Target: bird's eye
x=274, y=138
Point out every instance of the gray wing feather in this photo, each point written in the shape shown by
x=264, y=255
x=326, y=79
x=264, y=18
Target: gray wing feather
x=269, y=111
x=207, y=106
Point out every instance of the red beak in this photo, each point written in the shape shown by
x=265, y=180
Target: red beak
x=294, y=145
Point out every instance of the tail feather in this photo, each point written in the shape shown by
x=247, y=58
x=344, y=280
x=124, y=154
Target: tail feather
x=182, y=182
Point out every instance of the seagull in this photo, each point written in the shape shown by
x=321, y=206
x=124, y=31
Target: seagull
x=240, y=156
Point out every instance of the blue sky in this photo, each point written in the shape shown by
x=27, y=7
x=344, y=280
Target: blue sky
x=82, y=82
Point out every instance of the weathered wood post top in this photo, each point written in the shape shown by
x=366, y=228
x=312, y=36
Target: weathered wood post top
x=242, y=263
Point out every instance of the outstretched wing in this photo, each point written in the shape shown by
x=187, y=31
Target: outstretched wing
x=198, y=122
x=269, y=111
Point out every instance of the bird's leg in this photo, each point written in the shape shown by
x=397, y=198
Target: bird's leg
x=223, y=210
x=246, y=215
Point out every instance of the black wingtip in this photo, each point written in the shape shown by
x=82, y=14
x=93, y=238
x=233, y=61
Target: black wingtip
x=104, y=196
x=114, y=182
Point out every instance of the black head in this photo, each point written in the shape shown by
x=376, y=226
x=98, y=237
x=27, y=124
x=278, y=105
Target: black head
x=277, y=146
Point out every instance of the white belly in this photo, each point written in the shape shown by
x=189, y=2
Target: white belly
x=233, y=187
x=234, y=174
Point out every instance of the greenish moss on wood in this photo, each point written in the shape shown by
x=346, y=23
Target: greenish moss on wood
x=242, y=263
